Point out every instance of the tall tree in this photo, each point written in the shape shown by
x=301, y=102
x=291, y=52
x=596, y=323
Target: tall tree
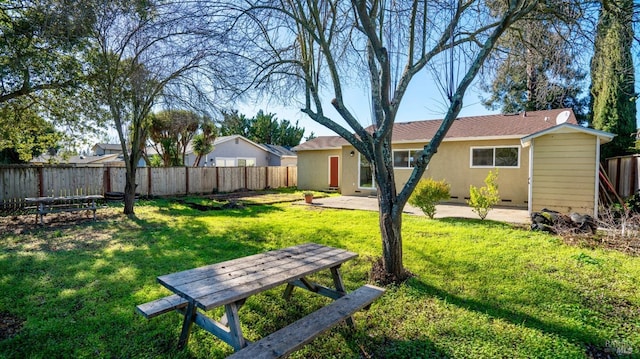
x=171, y=131
x=142, y=51
x=40, y=40
x=203, y=142
x=305, y=45
x=537, y=65
x=24, y=134
x=234, y=123
x=262, y=128
x=613, y=96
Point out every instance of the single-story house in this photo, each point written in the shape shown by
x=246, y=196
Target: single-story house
x=544, y=159
x=239, y=151
x=79, y=160
x=281, y=156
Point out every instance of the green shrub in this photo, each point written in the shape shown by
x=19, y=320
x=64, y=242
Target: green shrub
x=484, y=198
x=428, y=193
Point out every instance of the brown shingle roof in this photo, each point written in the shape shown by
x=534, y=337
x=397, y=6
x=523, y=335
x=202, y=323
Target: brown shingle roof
x=488, y=126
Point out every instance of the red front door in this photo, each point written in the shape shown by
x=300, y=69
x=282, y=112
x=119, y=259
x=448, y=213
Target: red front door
x=333, y=171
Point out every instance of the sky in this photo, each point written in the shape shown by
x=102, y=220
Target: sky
x=422, y=101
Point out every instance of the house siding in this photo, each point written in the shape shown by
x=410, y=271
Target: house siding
x=564, y=172
x=452, y=163
x=313, y=169
x=233, y=148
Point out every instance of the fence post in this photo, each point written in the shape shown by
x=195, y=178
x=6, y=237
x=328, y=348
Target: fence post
x=245, y=178
x=186, y=178
x=266, y=177
x=40, y=182
x=149, y=182
x=217, y=179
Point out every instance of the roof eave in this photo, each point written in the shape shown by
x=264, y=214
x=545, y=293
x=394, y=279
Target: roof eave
x=605, y=137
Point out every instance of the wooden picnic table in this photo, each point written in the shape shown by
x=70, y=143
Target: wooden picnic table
x=230, y=283
x=46, y=205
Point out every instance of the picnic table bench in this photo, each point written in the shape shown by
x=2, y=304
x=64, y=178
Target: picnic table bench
x=46, y=205
x=230, y=283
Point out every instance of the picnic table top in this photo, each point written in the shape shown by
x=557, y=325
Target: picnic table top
x=218, y=284
x=62, y=198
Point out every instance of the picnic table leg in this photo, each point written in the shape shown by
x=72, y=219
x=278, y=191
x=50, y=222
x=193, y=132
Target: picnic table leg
x=189, y=318
x=337, y=281
x=231, y=312
x=41, y=212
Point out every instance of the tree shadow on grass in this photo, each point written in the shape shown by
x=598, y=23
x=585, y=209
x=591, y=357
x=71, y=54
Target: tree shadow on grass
x=574, y=334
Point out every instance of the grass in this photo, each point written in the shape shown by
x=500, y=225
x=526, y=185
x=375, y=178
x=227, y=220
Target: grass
x=482, y=289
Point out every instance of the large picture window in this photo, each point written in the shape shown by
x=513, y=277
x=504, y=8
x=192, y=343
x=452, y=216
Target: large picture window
x=405, y=158
x=495, y=156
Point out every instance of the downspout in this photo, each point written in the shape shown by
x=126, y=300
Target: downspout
x=597, y=181
x=530, y=190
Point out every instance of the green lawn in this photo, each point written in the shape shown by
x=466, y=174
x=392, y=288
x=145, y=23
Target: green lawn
x=481, y=290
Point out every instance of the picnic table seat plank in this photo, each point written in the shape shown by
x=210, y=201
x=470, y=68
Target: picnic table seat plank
x=161, y=306
x=272, y=269
x=294, y=336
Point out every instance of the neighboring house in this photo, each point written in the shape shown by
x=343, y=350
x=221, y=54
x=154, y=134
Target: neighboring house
x=100, y=149
x=544, y=160
x=111, y=159
x=231, y=151
x=281, y=156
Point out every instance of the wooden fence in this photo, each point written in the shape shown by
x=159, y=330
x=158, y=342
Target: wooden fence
x=623, y=173
x=18, y=182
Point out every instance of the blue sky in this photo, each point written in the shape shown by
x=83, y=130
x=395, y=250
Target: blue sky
x=422, y=101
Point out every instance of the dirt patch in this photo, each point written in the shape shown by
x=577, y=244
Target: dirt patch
x=10, y=325
x=380, y=276
x=19, y=224
x=628, y=245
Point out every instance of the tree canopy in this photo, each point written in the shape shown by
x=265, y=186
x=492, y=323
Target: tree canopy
x=262, y=128
x=613, y=96
x=537, y=64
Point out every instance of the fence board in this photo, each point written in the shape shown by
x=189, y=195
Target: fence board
x=624, y=173
x=230, y=179
x=202, y=179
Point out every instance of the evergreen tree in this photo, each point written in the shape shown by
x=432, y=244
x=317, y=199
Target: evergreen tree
x=535, y=68
x=613, y=107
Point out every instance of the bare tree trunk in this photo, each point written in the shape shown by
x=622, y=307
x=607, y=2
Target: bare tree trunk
x=391, y=230
x=130, y=188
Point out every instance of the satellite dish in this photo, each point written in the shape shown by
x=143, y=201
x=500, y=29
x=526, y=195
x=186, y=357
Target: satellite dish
x=562, y=117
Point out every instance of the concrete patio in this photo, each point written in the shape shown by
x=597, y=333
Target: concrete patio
x=503, y=214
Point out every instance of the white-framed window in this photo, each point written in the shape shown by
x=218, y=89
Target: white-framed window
x=246, y=162
x=235, y=161
x=405, y=158
x=225, y=162
x=365, y=173
x=498, y=156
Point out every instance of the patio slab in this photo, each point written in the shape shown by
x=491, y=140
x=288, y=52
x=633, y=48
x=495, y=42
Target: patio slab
x=502, y=214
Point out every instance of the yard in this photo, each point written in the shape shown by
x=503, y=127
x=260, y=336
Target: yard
x=481, y=289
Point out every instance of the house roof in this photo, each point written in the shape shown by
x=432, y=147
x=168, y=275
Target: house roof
x=568, y=127
x=81, y=159
x=279, y=151
x=108, y=146
x=322, y=143
x=222, y=139
x=463, y=128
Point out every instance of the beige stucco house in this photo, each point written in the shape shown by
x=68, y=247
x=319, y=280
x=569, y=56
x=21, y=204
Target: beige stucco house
x=544, y=159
